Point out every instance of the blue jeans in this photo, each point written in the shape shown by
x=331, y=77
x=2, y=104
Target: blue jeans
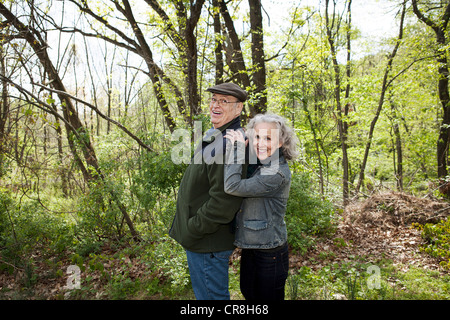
x=209, y=274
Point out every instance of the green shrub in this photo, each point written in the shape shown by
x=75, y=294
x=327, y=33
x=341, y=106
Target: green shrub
x=27, y=227
x=5, y=204
x=171, y=259
x=437, y=237
x=158, y=173
x=98, y=213
x=307, y=214
x=155, y=185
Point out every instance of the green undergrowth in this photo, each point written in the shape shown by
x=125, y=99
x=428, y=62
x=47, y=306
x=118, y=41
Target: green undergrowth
x=367, y=281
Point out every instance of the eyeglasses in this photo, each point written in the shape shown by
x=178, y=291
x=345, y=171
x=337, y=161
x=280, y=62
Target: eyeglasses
x=221, y=102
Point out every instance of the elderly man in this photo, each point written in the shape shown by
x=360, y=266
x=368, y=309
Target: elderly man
x=204, y=214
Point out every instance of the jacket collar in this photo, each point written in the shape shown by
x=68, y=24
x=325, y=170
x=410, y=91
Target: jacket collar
x=211, y=134
x=233, y=124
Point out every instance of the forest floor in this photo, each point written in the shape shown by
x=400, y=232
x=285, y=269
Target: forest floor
x=378, y=228
x=373, y=230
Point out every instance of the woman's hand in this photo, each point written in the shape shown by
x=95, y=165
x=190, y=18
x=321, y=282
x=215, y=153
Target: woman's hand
x=235, y=135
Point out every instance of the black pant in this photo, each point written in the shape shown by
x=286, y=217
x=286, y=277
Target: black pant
x=264, y=273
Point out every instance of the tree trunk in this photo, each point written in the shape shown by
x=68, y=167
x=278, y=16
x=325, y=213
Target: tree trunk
x=440, y=29
x=185, y=41
x=258, y=58
x=62, y=169
x=384, y=87
x=218, y=42
x=397, y=147
x=4, y=108
x=337, y=91
x=154, y=72
x=316, y=143
x=234, y=57
x=191, y=69
x=254, y=78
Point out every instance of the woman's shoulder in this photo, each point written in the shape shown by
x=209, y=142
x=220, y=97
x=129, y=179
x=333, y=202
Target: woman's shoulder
x=277, y=171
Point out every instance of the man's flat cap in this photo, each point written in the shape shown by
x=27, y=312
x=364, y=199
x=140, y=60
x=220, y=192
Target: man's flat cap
x=230, y=89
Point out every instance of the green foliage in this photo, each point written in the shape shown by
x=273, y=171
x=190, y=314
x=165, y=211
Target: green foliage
x=155, y=185
x=353, y=281
x=27, y=228
x=139, y=271
x=99, y=216
x=307, y=214
x=5, y=205
x=437, y=237
x=171, y=258
x=158, y=173
x=122, y=287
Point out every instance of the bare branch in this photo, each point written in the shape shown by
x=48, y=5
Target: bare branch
x=122, y=127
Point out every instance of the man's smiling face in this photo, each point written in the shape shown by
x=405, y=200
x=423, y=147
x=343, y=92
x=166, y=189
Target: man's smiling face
x=223, y=109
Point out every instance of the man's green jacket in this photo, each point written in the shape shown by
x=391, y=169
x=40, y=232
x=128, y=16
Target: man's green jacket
x=204, y=214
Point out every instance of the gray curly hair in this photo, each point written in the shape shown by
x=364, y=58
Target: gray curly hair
x=287, y=136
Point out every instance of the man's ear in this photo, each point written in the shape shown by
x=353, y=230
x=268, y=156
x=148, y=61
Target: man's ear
x=239, y=108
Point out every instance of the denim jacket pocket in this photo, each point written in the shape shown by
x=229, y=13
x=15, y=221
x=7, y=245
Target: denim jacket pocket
x=256, y=224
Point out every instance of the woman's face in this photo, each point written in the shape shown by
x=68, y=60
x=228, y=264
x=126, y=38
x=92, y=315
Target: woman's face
x=266, y=139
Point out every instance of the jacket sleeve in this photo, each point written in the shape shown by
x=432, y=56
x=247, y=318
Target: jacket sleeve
x=219, y=209
x=256, y=186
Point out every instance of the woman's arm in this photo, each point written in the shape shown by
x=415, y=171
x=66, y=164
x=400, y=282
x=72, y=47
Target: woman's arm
x=256, y=186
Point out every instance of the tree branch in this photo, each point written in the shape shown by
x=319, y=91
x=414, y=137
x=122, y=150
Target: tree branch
x=122, y=127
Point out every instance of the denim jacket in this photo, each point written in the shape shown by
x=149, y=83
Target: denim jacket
x=260, y=221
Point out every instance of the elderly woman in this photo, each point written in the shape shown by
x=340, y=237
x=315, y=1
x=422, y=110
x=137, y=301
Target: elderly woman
x=260, y=227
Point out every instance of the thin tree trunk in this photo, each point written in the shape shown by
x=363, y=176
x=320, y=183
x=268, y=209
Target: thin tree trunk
x=384, y=87
x=218, y=42
x=258, y=57
x=4, y=108
x=337, y=90
x=319, y=158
